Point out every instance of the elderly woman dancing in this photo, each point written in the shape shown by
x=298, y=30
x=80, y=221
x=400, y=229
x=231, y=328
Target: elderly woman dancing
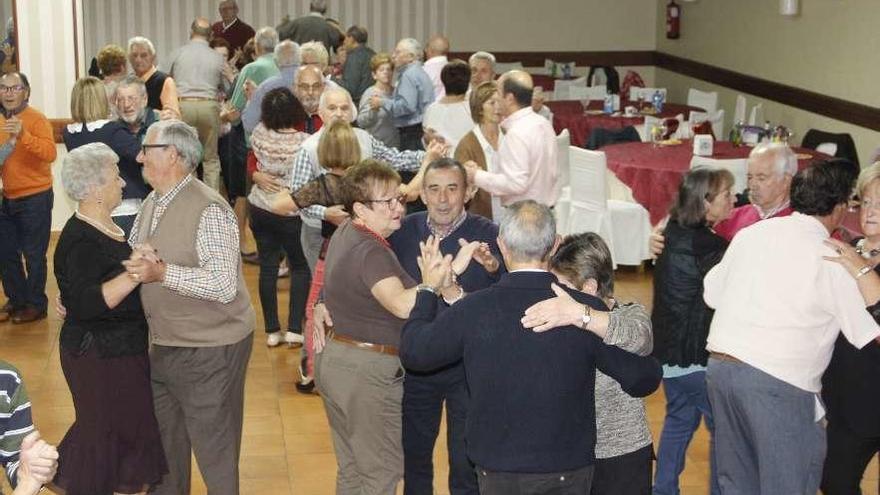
x=114, y=444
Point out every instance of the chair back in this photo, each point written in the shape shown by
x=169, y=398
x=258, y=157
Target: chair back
x=583, y=92
x=588, y=187
x=738, y=167
x=561, y=88
x=739, y=114
x=756, y=116
x=502, y=67
x=716, y=119
x=563, y=142
x=837, y=145
x=707, y=100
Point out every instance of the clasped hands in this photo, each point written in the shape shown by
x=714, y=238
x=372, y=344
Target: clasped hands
x=145, y=266
x=439, y=272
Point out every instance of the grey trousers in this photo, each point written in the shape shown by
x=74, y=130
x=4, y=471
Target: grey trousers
x=198, y=395
x=204, y=115
x=767, y=441
x=311, y=240
x=362, y=392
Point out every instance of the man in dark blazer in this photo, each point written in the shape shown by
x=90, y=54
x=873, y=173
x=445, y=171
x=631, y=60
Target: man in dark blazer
x=531, y=425
x=311, y=27
x=357, y=75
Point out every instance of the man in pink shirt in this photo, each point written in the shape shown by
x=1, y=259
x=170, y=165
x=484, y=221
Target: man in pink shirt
x=771, y=167
x=525, y=165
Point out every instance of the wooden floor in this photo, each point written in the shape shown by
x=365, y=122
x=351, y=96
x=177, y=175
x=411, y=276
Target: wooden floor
x=286, y=445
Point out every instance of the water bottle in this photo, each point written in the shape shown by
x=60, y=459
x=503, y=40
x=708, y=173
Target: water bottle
x=608, y=107
x=736, y=134
x=657, y=100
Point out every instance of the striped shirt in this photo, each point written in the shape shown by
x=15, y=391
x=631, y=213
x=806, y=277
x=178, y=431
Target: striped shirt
x=15, y=419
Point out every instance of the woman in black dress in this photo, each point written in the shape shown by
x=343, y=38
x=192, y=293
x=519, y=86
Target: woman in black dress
x=114, y=444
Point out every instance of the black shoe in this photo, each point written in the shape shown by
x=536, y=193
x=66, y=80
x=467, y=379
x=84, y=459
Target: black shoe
x=27, y=315
x=306, y=385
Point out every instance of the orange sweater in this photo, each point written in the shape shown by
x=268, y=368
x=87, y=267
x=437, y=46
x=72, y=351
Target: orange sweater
x=28, y=170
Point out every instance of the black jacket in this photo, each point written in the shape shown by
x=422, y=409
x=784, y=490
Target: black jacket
x=680, y=317
x=549, y=425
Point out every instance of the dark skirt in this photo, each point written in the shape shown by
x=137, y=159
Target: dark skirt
x=114, y=443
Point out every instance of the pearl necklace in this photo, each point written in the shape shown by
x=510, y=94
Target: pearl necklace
x=860, y=248
x=117, y=234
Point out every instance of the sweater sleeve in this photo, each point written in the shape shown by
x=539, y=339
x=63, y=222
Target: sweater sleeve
x=36, y=137
x=82, y=295
x=429, y=341
x=629, y=327
x=638, y=376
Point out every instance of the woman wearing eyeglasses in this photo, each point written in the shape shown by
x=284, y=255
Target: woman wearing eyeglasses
x=850, y=386
x=370, y=295
x=90, y=111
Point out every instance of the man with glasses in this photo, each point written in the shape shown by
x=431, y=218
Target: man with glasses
x=26, y=212
x=198, y=310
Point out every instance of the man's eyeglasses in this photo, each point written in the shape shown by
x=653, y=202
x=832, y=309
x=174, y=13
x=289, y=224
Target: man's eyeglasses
x=391, y=202
x=11, y=89
x=146, y=147
x=865, y=204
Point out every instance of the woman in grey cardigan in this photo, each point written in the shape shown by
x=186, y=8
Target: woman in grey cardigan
x=378, y=122
x=624, y=449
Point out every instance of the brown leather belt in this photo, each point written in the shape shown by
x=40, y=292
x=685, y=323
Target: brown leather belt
x=724, y=357
x=384, y=349
x=196, y=98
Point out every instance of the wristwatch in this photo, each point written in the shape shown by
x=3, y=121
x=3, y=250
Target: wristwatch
x=426, y=288
x=586, y=318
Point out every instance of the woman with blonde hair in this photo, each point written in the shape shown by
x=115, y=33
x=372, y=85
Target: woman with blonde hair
x=481, y=144
x=90, y=111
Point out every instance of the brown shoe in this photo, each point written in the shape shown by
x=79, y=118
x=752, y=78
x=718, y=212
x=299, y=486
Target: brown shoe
x=27, y=315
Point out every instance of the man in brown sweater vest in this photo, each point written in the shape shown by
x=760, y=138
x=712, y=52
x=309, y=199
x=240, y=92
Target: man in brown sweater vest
x=198, y=309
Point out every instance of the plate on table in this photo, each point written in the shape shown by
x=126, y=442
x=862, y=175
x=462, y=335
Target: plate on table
x=669, y=142
x=803, y=156
x=595, y=112
x=648, y=111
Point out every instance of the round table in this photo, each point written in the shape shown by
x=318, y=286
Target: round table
x=569, y=114
x=654, y=173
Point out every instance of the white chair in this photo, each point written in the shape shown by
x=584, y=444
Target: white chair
x=502, y=67
x=739, y=114
x=646, y=93
x=583, y=92
x=756, y=116
x=707, y=100
x=645, y=129
x=562, y=86
x=717, y=120
x=829, y=149
x=563, y=204
x=624, y=226
x=738, y=167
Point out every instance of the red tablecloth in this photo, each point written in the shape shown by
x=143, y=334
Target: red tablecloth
x=546, y=82
x=654, y=174
x=569, y=114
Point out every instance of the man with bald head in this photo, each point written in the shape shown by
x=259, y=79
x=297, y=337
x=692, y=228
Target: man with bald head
x=526, y=161
x=198, y=71
x=435, y=59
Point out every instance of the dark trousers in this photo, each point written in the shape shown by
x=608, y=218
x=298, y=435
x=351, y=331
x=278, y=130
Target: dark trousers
x=274, y=234
x=232, y=151
x=198, y=393
x=411, y=137
x=627, y=474
x=575, y=482
x=423, y=396
x=848, y=455
x=24, y=232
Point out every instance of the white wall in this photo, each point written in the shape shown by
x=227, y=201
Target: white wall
x=830, y=48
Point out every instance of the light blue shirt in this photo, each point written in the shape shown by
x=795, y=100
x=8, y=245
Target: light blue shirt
x=412, y=95
x=253, y=113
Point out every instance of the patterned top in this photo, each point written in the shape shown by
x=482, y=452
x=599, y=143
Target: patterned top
x=15, y=419
x=216, y=277
x=275, y=152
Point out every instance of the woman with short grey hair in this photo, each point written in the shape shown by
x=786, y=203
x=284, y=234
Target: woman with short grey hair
x=114, y=445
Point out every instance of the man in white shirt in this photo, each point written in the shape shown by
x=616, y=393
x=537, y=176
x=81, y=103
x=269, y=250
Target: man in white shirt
x=526, y=161
x=435, y=59
x=778, y=310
